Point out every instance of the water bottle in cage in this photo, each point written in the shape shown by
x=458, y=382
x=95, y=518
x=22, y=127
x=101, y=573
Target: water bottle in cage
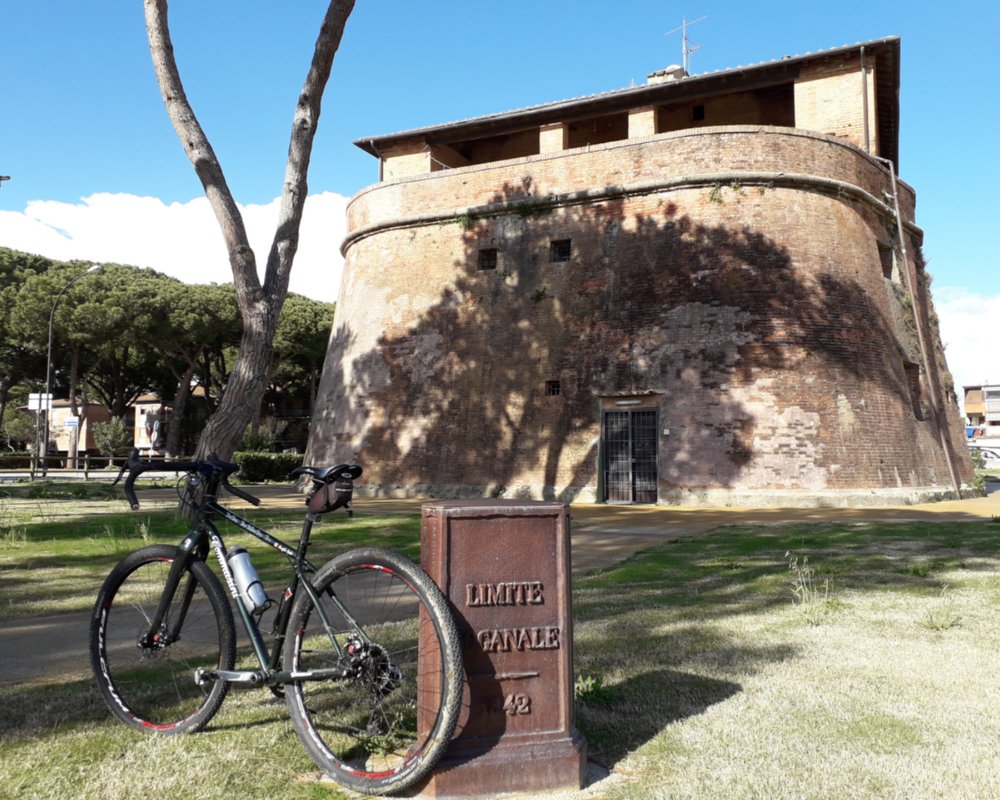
x=247, y=580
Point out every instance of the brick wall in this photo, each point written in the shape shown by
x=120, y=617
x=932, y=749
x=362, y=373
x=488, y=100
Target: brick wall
x=829, y=98
x=754, y=316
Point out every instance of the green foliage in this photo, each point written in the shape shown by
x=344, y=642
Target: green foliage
x=15, y=460
x=125, y=331
x=299, y=349
x=112, y=437
x=978, y=459
x=257, y=439
x=811, y=594
x=942, y=616
x=259, y=467
x=47, y=490
x=531, y=210
x=590, y=689
x=18, y=427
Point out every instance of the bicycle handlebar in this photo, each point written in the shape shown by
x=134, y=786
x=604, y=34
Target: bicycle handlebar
x=135, y=467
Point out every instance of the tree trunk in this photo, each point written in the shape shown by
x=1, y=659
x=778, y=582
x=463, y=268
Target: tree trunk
x=260, y=306
x=178, y=408
x=240, y=403
x=5, y=384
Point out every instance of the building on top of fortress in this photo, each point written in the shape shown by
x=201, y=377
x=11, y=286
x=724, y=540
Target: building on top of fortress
x=706, y=289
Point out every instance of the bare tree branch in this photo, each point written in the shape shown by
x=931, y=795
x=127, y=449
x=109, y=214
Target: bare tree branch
x=199, y=150
x=304, y=125
x=259, y=306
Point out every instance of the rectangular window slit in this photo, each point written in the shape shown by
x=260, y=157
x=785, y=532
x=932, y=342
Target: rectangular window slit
x=487, y=258
x=552, y=388
x=560, y=250
x=887, y=259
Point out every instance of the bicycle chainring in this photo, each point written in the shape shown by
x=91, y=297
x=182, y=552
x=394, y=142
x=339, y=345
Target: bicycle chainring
x=372, y=667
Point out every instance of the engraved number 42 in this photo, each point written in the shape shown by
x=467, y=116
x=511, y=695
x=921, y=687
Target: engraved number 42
x=515, y=704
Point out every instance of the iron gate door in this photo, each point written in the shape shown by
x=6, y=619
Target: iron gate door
x=628, y=439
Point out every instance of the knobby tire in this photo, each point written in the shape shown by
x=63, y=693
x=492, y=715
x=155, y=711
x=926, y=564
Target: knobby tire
x=376, y=731
x=153, y=689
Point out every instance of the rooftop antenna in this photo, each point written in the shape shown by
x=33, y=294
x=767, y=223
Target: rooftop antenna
x=686, y=47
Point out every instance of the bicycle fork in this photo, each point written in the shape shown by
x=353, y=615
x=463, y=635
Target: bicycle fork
x=156, y=637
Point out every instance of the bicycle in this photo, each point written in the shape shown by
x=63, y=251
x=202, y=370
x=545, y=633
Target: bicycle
x=364, y=649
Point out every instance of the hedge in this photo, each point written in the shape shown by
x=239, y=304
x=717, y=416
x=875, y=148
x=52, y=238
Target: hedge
x=258, y=467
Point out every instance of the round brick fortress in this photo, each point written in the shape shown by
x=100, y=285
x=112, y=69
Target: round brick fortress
x=741, y=291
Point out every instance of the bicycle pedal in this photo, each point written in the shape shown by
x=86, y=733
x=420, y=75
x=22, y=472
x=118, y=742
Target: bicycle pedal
x=203, y=676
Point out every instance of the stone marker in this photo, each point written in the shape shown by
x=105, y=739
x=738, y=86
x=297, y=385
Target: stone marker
x=504, y=566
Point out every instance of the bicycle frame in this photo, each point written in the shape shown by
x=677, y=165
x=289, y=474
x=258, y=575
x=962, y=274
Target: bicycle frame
x=204, y=536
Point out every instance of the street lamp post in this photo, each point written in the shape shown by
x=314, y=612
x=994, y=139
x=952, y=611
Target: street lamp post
x=47, y=399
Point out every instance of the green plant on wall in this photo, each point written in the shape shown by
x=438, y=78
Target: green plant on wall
x=540, y=295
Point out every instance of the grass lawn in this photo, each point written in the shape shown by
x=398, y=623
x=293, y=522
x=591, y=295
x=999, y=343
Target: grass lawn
x=734, y=668
x=53, y=562
x=832, y=661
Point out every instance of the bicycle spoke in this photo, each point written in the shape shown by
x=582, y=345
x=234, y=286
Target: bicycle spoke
x=150, y=684
x=378, y=728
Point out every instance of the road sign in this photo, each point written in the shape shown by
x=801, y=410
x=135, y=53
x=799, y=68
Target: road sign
x=39, y=401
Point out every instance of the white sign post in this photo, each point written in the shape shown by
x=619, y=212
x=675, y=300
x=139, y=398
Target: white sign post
x=39, y=401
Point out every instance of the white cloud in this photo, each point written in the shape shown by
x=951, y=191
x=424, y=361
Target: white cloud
x=179, y=239
x=970, y=323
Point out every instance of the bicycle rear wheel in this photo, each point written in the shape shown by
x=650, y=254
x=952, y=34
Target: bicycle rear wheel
x=152, y=688
x=385, y=726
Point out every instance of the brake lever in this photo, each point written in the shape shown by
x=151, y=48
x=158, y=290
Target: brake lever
x=130, y=463
x=133, y=467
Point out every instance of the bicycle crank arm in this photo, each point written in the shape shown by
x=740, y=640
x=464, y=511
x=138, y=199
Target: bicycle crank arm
x=331, y=673
x=205, y=676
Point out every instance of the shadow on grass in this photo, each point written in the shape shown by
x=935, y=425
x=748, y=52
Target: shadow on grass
x=37, y=710
x=33, y=711
x=635, y=711
x=745, y=570
x=668, y=623
x=669, y=676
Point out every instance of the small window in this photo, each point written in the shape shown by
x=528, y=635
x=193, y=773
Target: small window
x=698, y=113
x=487, y=258
x=915, y=385
x=887, y=257
x=560, y=250
x=552, y=388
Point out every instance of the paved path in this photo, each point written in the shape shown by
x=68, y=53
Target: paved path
x=41, y=648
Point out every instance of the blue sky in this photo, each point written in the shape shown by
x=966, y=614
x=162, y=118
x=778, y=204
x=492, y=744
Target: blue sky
x=97, y=172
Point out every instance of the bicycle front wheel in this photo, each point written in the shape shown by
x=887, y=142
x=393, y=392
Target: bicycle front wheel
x=151, y=686
x=385, y=725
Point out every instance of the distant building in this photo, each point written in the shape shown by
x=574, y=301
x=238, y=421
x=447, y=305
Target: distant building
x=149, y=427
x=982, y=408
x=68, y=430
x=696, y=291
